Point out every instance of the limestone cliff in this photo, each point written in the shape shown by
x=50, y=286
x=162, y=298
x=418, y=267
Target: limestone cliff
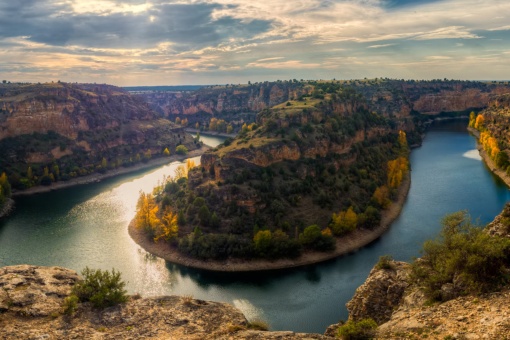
x=31, y=307
x=402, y=311
x=390, y=97
x=77, y=125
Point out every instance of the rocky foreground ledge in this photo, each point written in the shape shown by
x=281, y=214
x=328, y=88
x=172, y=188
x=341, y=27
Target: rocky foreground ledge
x=31, y=299
x=402, y=311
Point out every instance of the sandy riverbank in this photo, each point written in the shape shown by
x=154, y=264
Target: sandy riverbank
x=112, y=173
x=344, y=245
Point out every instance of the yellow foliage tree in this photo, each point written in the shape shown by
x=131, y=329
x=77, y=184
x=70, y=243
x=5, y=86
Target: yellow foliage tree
x=146, y=215
x=190, y=164
x=181, y=172
x=397, y=170
x=166, y=152
x=344, y=222
x=472, y=119
x=382, y=196
x=480, y=122
x=168, y=228
x=489, y=144
x=402, y=139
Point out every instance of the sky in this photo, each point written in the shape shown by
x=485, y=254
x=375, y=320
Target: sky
x=156, y=42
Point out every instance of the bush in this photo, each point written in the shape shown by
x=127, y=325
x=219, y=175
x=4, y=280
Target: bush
x=464, y=256
x=101, y=288
x=353, y=330
x=384, y=262
x=181, y=150
x=70, y=304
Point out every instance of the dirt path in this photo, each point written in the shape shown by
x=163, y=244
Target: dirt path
x=344, y=245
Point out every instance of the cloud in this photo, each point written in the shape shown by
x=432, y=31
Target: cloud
x=214, y=39
x=381, y=46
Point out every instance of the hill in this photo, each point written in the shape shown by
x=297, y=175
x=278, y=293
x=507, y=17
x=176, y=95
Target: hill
x=308, y=173
x=59, y=131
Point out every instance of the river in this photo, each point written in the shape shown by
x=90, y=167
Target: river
x=87, y=226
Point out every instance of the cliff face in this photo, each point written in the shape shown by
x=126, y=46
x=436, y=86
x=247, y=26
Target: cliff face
x=225, y=100
x=78, y=125
x=386, y=96
x=401, y=309
x=31, y=306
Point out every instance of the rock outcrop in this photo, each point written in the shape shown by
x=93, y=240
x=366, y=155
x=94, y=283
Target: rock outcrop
x=381, y=293
x=402, y=311
x=31, y=300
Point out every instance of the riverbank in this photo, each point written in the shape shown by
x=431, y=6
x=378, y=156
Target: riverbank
x=7, y=208
x=488, y=161
x=344, y=245
x=211, y=133
x=97, y=177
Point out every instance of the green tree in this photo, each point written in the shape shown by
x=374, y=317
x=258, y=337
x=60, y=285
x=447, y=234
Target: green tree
x=463, y=255
x=101, y=288
x=262, y=241
x=181, y=150
x=204, y=215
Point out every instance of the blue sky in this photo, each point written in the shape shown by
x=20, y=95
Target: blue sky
x=156, y=42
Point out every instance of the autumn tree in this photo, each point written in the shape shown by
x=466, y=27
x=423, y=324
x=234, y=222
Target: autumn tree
x=166, y=152
x=480, y=122
x=344, y=222
x=168, y=229
x=381, y=196
x=230, y=128
x=5, y=185
x=146, y=215
x=397, y=170
x=472, y=119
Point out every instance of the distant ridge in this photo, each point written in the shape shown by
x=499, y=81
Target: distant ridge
x=177, y=88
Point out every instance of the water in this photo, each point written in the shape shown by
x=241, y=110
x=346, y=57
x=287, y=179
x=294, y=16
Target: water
x=87, y=226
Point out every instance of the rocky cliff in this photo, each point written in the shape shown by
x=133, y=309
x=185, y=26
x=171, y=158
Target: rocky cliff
x=31, y=307
x=386, y=96
x=401, y=309
x=77, y=125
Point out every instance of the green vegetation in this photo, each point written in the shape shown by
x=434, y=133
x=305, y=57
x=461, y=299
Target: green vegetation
x=181, y=150
x=357, y=330
x=384, y=262
x=293, y=181
x=101, y=288
x=464, y=259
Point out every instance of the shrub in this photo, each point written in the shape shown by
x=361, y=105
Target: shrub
x=181, y=150
x=101, y=288
x=353, y=330
x=464, y=256
x=384, y=262
x=70, y=304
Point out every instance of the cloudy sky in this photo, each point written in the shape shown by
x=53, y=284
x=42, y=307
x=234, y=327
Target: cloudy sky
x=158, y=42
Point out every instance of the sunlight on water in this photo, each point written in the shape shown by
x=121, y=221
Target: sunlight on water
x=473, y=154
x=249, y=310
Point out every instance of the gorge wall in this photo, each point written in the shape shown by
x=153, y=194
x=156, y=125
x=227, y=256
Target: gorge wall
x=76, y=126
x=387, y=96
